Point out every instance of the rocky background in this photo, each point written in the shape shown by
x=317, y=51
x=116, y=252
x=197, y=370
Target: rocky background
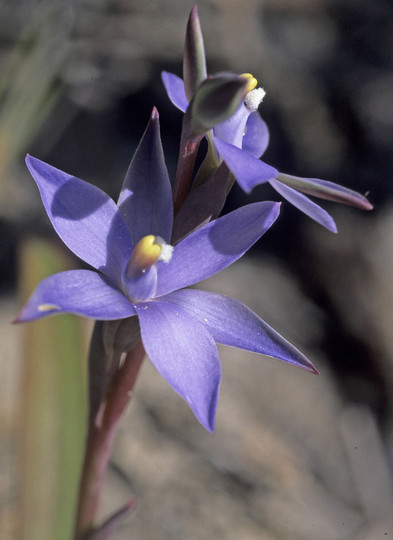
x=294, y=456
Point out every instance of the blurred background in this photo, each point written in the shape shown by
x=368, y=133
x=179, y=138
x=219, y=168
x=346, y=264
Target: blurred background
x=294, y=456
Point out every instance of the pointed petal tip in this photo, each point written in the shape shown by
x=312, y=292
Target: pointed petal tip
x=311, y=369
x=206, y=416
x=17, y=319
x=302, y=363
x=356, y=200
x=327, y=222
x=368, y=205
x=208, y=423
x=28, y=159
x=193, y=14
x=275, y=210
x=210, y=428
x=20, y=318
x=211, y=419
x=24, y=316
x=31, y=163
x=154, y=114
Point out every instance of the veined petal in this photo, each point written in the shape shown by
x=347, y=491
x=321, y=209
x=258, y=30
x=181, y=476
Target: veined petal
x=82, y=292
x=232, y=323
x=174, y=87
x=215, y=246
x=184, y=353
x=247, y=169
x=326, y=190
x=304, y=204
x=256, y=136
x=86, y=219
x=146, y=197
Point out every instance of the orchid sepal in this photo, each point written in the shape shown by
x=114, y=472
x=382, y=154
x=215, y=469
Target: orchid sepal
x=324, y=189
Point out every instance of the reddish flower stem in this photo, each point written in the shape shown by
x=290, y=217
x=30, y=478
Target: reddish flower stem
x=100, y=438
x=185, y=166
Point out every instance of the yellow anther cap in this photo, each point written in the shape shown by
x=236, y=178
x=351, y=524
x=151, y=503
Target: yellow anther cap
x=144, y=254
x=251, y=81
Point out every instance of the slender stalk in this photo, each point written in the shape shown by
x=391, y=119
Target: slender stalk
x=185, y=166
x=100, y=438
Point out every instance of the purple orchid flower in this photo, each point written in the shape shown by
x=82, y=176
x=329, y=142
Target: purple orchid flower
x=242, y=139
x=138, y=273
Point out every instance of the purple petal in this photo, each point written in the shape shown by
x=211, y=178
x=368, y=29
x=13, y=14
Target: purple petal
x=304, y=204
x=85, y=218
x=185, y=354
x=232, y=323
x=232, y=130
x=174, y=86
x=146, y=196
x=215, y=246
x=247, y=169
x=82, y=292
x=326, y=190
x=256, y=137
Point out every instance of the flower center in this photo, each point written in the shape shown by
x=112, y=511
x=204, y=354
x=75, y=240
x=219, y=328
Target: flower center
x=140, y=273
x=254, y=95
x=143, y=256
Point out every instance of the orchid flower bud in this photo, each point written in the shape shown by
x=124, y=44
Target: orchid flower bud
x=216, y=99
x=194, y=61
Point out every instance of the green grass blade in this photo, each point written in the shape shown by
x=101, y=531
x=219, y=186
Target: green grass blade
x=53, y=407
